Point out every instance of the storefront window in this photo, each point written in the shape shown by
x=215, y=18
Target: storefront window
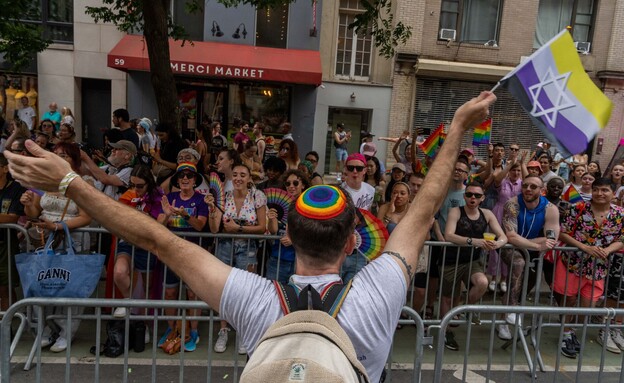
x=267, y=104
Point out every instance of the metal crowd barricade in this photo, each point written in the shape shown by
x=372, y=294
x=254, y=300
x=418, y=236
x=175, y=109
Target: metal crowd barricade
x=419, y=297
x=539, y=313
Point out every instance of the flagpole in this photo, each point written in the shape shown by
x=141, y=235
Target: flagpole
x=495, y=87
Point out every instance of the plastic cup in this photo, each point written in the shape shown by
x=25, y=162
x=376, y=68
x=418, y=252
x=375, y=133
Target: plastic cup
x=489, y=236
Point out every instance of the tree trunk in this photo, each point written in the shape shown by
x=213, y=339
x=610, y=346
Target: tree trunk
x=157, y=40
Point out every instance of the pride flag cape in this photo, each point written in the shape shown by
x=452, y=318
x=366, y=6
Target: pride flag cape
x=572, y=195
x=552, y=86
x=482, y=133
x=432, y=142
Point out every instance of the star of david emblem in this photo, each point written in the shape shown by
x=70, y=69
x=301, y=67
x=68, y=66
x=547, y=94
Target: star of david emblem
x=555, y=85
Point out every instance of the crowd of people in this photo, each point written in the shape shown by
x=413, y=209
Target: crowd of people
x=513, y=196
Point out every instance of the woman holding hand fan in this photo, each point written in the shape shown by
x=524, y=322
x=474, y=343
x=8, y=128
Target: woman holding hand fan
x=281, y=263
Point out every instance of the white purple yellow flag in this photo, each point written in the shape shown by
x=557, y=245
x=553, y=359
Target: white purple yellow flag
x=552, y=86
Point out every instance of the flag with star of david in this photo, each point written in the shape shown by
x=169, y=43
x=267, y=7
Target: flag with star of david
x=552, y=86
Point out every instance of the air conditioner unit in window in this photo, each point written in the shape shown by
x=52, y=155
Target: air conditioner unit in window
x=448, y=34
x=582, y=46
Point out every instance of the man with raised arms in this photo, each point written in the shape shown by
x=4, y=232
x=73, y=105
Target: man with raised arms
x=371, y=309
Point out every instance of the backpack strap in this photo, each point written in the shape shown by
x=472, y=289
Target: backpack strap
x=330, y=300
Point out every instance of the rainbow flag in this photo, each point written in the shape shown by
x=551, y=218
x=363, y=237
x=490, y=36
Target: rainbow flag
x=482, y=133
x=420, y=167
x=432, y=142
x=572, y=195
x=552, y=86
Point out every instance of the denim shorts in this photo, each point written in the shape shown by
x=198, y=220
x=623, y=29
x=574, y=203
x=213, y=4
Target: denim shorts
x=141, y=256
x=341, y=154
x=239, y=253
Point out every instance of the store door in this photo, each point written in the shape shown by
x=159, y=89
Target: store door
x=201, y=106
x=356, y=121
x=96, y=110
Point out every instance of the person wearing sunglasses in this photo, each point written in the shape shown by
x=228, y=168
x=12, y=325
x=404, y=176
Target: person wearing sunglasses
x=363, y=195
x=281, y=262
x=466, y=225
x=145, y=196
x=289, y=152
x=183, y=211
x=322, y=235
x=530, y=222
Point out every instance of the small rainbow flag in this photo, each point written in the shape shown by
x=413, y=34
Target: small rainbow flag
x=572, y=195
x=433, y=141
x=420, y=167
x=482, y=133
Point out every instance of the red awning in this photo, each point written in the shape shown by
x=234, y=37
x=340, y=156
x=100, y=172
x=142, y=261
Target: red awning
x=210, y=59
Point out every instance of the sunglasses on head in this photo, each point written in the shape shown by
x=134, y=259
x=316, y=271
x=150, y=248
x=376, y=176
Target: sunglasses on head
x=476, y=195
x=530, y=186
x=294, y=183
x=357, y=168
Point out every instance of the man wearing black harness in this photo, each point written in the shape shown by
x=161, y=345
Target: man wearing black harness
x=322, y=235
x=468, y=225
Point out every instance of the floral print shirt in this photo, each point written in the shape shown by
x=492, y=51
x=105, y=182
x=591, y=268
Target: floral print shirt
x=581, y=225
x=247, y=216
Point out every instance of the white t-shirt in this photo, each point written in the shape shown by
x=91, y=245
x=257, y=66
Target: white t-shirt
x=362, y=198
x=369, y=314
x=26, y=114
x=110, y=190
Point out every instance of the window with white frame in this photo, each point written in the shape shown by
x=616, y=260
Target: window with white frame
x=475, y=21
x=354, y=48
x=555, y=15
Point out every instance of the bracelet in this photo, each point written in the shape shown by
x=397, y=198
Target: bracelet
x=69, y=177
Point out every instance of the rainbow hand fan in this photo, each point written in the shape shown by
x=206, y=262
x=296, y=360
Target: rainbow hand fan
x=217, y=189
x=371, y=234
x=279, y=200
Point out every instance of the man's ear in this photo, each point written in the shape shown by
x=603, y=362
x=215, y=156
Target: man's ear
x=350, y=245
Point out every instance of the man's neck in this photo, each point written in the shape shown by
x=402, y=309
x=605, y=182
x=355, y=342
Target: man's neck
x=355, y=185
x=124, y=126
x=459, y=185
x=471, y=210
x=600, y=206
x=531, y=205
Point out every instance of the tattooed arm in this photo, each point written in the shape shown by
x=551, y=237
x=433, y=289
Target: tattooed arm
x=510, y=225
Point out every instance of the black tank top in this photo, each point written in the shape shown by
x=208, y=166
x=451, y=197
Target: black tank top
x=467, y=228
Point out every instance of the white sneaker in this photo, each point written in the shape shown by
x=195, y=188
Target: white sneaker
x=605, y=337
x=511, y=319
x=46, y=337
x=503, y=332
x=60, y=345
x=221, y=343
x=503, y=286
x=242, y=350
x=120, y=312
x=618, y=339
x=492, y=286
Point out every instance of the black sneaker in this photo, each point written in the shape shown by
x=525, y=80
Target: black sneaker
x=575, y=342
x=449, y=341
x=567, y=348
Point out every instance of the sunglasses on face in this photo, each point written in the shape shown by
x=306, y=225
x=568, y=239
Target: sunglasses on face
x=530, y=186
x=514, y=149
x=357, y=168
x=294, y=183
x=138, y=186
x=187, y=175
x=476, y=195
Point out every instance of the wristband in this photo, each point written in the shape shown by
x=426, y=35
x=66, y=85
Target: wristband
x=69, y=177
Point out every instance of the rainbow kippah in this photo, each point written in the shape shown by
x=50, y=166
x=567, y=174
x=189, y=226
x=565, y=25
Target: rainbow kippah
x=321, y=202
